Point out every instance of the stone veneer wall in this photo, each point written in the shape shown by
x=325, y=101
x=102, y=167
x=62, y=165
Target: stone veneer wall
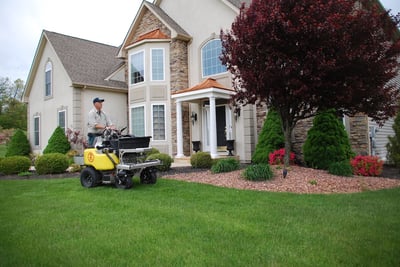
x=180, y=80
x=359, y=134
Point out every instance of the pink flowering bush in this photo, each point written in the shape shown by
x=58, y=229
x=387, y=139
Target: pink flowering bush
x=276, y=157
x=367, y=165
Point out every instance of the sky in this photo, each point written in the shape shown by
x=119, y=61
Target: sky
x=104, y=21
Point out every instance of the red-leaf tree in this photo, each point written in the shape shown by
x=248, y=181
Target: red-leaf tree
x=303, y=56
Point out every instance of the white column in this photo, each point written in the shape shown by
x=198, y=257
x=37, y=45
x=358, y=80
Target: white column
x=179, y=131
x=213, y=129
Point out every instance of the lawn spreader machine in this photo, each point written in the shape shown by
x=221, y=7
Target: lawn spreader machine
x=116, y=158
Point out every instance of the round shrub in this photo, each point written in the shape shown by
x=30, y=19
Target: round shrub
x=342, y=168
x=14, y=165
x=225, y=165
x=19, y=145
x=327, y=142
x=258, y=172
x=278, y=157
x=201, y=160
x=270, y=138
x=152, y=151
x=58, y=142
x=166, y=161
x=51, y=163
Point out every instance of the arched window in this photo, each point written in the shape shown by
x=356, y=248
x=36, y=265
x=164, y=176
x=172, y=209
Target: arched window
x=210, y=53
x=48, y=79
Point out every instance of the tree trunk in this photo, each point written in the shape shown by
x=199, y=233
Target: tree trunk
x=287, y=133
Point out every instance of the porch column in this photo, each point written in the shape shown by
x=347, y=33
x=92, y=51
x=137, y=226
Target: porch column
x=213, y=128
x=179, y=131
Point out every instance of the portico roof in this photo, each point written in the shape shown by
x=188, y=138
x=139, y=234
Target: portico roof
x=208, y=88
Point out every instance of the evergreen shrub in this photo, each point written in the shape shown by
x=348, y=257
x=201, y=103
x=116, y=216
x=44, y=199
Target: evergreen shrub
x=58, y=142
x=14, y=165
x=393, y=146
x=201, y=160
x=166, y=161
x=225, y=165
x=342, y=168
x=18, y=145
x=270, y=138
x=258, y=172
x=153, y=151
x=327, y=142
x=51, y=163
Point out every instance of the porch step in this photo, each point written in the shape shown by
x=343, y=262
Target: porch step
x=181, y=162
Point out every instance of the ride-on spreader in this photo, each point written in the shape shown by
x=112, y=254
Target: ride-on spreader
x=116, y=158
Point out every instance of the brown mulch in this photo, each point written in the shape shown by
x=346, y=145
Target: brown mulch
x=299, y=180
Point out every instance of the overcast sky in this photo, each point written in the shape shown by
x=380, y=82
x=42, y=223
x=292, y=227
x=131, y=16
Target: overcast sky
x=104, y=21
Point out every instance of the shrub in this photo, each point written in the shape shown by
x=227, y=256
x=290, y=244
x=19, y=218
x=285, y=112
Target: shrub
x=342, y=168
x=166, y=161
x=51, y=163
x=152, y=151
x=367, y=165
x=15, y=164
x=225, y=165
x=270, y=138
x=201, y=160
x=258, y=172
x=277, y=157
x=18, y=145
x=327, y=142
x=393, y=147
x=58, y=142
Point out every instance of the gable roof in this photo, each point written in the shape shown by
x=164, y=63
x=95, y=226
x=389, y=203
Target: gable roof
x=206, y=84
x=86, y=62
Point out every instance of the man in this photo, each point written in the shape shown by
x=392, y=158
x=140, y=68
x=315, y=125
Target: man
x=97, y=121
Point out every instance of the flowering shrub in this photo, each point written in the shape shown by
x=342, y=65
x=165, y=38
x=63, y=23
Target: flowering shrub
x=277, y=156
x=367, y=165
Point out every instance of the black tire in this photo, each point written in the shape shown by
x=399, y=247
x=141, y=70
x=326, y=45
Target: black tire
x=89, y=177
x=148, y=176
x=123, y=183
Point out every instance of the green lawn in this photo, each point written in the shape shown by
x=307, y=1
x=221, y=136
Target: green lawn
x=59, y=223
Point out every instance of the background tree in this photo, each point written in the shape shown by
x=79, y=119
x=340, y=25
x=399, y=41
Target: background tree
x=327, y=142
x=270, y=138
x=58, y=142
x=12, y=110
x=304, y=56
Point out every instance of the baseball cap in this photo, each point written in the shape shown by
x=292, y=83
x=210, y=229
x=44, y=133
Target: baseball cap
x=98, y=100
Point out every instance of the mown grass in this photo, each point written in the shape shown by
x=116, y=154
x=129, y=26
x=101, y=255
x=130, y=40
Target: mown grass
x=172, y=223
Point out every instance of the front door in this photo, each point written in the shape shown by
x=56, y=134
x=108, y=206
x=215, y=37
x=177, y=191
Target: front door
x=221, y=126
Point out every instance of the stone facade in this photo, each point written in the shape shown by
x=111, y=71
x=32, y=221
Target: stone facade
x=359, y=134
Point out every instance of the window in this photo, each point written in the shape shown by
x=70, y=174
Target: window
x=157, y=64
x=137, y=67
x=62, y=119
x=137, y=121
x=211, y=64
x=48, y=78
x=158, y=122
x=36, y=131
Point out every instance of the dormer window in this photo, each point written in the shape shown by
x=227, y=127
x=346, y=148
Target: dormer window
x=210, y=53
x=48, y=79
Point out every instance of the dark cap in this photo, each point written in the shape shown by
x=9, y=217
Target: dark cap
x=98, y=100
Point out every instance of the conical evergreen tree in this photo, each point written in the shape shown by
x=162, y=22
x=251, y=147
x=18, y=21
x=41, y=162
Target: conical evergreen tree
x=327, y=141
x=270, y=138
x=58, y=142
x=393, y=147
x=19, y=145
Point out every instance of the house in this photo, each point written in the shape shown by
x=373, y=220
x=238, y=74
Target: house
x=65, y=76
x=164, y=81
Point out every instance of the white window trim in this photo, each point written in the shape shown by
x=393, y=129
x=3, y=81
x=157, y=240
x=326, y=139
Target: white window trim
x=144, y=115
x=48, y=67
x=165, y=121
x=151, y=64
x=201, y=61
x=34, y=132
x=65, y=118
x=144, y=66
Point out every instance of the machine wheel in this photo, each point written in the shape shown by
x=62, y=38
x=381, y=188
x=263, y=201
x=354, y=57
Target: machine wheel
x=123, y=183
x=148, y=176
x=89, y=177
